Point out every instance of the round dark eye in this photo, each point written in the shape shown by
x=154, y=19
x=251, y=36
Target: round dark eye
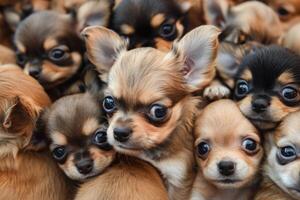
x=59, y=153
x=288, y=152
x=57, y=54
x=100, y=137
x=282, y=11
x=290, y=94
x=167, y=31
x=109, y=104
x=203, y=148
x=250, y=145
x=241, y=89
x=158, y=112
x=21, y=59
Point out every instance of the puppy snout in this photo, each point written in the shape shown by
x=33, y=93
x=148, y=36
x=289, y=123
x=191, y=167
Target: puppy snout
x=260, y=105
x=85, y=165
x=226, y=168
x=35, y=72
x=122, y=134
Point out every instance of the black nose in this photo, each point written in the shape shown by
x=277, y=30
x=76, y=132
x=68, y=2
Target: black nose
x=226, y=168
x=34, y=72
x=122, y=134
x=84, y=166
x=260, y=105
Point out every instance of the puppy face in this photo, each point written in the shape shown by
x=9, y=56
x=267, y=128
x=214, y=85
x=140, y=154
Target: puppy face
x=77, y=132
x=267, y=86
x=22, y=99
x=147, y=88
x=227, y=146
x=283, y=161
x=287, y=10
x=153, y=23
x=48, y=48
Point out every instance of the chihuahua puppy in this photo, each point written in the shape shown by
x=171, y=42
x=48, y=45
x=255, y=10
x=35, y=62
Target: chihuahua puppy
x=248, y=21
x=154, y=23
x=287, y=10
x=228, y=151
x=127, y=178
x=77, y=132
x=149, y=98
x=49, y=50
x=267, y=86
x=282, y=164
x=24, y=172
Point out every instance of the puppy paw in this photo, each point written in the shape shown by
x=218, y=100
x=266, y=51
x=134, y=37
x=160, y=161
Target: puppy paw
x=215, y=92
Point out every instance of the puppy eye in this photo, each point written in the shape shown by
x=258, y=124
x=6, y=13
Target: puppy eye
x=100, y=139
x=109, y=104
x=203, y=149
x=59, y=153
x=21, y=59
x=242, y=88
x=286, y=155
x=58, y=54
x=250, y=146
x=282, y=11
x=290, y=94
x=158, y=112
x=167, y=31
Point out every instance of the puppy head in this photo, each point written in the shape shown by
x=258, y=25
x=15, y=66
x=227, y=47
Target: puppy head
x=154, y=23
x=77, y=132
x=287, y=10
x=267, y=86
x=227, y=146
x=148, y=89
x=22, y=99
x=48, y=48
x=249, y=21
x=283, y=155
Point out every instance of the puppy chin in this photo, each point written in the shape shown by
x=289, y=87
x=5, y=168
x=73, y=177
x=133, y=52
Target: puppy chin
x=73, y=173
x=229, y=183
x=264, y=125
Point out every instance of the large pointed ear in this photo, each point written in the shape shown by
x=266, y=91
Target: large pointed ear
x=20, y=113
x=216, y=11
x=198, y=51
x=103, y=48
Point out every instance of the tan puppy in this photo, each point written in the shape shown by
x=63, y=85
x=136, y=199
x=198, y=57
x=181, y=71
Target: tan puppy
x=228, y=151
x=149, y=98
x=127, y=178
x=282, y=165
x=24, y=173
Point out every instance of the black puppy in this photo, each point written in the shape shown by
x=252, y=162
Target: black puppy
x=267, y=86
x=154, y=23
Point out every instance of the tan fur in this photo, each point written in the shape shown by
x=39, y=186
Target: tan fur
x=127, y=29
x=25, y=174
x=224, y=127
x=291, y=38
x=7, y=55
x=49, y=44
x=157, y=20
x=128, y=178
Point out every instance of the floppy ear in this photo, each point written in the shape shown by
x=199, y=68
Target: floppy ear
x=20, y=113
x=103, y=47
x=198, y=50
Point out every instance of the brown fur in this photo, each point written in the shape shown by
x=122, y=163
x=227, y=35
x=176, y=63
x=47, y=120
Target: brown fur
x=24, y=173
x=142, y=77
x=224, y=128
x=127, y=178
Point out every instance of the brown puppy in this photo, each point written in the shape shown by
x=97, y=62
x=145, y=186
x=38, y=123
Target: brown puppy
x=149, y=98
x=228, y=151
x=25, y=173
x=127, y=178
x=49, y=49
x=282, y=164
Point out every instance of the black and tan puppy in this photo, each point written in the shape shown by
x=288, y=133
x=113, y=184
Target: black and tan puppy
x=267, y=86
x=149, y=98
x=154, y=23
x=282, y=165
x=77, y=131
x=49, y=50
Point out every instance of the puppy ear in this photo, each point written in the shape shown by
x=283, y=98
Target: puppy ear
x=216, y=11
x=20, y=113
x=198, y=50
x=103, y=48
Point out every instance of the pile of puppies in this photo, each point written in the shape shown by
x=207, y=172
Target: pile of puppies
x=149, y=99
